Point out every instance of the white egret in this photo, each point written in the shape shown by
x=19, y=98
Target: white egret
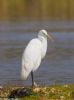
x=34, y=52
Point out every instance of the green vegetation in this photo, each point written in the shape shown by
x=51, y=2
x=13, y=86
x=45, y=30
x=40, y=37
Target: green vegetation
x=57, y=92
x=12, y=10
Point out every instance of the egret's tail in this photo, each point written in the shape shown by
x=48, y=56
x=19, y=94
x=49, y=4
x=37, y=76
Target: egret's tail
x=24, y=74
x=26, y=69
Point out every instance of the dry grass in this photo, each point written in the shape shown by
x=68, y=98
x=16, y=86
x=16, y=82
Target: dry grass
x=41, y=9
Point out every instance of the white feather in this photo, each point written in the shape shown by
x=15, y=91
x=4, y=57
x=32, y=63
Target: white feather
x=33, y=54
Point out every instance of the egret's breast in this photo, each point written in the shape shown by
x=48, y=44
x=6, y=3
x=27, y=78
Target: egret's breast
x=44, y=47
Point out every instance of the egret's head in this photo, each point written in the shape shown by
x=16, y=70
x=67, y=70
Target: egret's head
x=43, y=33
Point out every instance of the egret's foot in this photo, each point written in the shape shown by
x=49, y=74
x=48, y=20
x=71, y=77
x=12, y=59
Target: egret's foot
x=35, y=84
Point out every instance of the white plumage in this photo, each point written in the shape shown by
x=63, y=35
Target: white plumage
x=33, y=54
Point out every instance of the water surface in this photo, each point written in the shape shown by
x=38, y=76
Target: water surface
x=58, y=65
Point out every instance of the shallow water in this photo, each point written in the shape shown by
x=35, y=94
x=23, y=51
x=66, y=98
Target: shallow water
x=58, y=65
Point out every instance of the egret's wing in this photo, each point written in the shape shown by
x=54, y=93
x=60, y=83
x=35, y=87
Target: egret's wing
x=31, y=55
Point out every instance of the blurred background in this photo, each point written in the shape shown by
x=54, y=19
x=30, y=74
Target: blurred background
x=28, y=10
x=20, y=21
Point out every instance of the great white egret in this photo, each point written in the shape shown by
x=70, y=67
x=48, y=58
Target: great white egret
x=34, y=52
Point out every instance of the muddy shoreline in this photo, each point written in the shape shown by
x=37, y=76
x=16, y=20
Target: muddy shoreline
x=61, y=92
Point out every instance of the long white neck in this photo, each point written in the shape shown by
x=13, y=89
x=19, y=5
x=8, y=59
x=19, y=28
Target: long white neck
x=44, y=45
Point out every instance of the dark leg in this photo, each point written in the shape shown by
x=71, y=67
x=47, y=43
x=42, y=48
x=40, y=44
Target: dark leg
x=32, y=78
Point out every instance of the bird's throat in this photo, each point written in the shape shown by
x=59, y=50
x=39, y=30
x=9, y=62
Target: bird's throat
x=44, y=46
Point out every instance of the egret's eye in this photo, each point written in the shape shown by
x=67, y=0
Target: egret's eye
x=43, y=33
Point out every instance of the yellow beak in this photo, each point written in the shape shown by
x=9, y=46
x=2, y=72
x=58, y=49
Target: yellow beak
x=50, y=38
